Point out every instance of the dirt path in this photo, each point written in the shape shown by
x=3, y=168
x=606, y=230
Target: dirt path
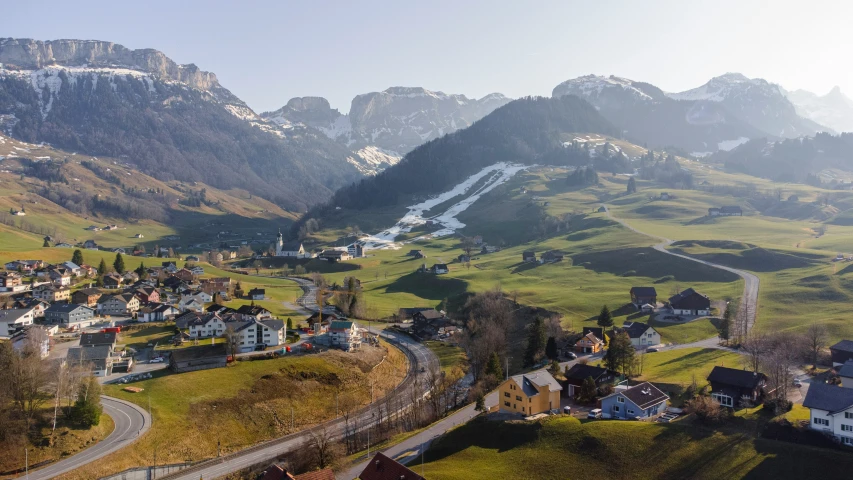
x=749, y=301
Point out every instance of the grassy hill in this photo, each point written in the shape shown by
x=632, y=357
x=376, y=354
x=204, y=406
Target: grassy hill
x=563, y=447
x=63, y=193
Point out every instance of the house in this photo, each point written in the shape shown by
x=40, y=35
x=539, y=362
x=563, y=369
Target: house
x=551, y=256
x=841, y=352
x=665, y=196
x=157, y=312
x=88, y=271
x=119, y=250
x=408, y=313
x=123, y=304
x=279, y=472
x=187, y=275
x=70, y=315
x=416, y=254
x=14, y=320
x=191, y=303
x=139, y=235
x=130, y=278
x=231, y=254
x=845, y=373
x=731, y=211
x=333, y=256
x=60, y=278
x=356, y=250
x=195, y=270
x=86, y=296
x=643, y=295
x=215, y=257
x=690, y=302
x=530, y=393
x=112, y=281
x=99, y=339
x=426, y=315
x=640, y=401
x=831, y=411
x=147, y=294
x=11, y=282
x=169, y=267
x=257, y=293
x=344, y=335
x=251, y=333
x=198, y=358
x=52, y=293
x=258, y=313
x=73, y=269
x=191, y=258
x=430, y=324
x=204, y=326
x=462, y=258
x=38, y=306
x=35, y=336
x=528, y=256
x=90, y=245
x=489, y=249
x=730, y=386
x=576, y=375
x=383, y=468
x=439, y=269
x=478, y=239
x=641, y=334
x=100, y=358
x=589, y=343
x=24, y=266
x=220, y=309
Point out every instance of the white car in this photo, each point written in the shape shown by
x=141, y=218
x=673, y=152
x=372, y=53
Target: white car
x=157, y=360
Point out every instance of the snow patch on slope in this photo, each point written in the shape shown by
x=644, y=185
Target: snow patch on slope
x=731, y=144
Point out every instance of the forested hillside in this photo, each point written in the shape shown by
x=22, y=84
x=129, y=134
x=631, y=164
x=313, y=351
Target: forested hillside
x=527, y=130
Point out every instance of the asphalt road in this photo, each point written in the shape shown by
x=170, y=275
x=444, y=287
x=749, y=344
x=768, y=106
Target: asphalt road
x=751, y=283
x=131, y=422
x=419, y=356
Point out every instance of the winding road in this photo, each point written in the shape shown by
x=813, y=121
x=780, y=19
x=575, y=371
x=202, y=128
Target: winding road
x=131, y=422
x=749, y=300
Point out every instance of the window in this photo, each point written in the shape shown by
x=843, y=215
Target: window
x=847, y=441
x=506, y=394
x=821, y=421
x=620, y=399
x=518, y=398
x=847, y=428
x=615, y=408
x=848, y=414
x=630, y=412
x=506, y=404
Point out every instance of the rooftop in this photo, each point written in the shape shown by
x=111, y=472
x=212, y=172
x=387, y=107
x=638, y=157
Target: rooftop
x=735, y=377
x=828, y=397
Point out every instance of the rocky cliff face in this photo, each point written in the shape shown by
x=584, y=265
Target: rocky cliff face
x=394, y=121
x=35, y=54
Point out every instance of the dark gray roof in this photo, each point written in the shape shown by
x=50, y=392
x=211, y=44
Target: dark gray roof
x=65, y=308
x=94, y=339
x=828, y=397
x=274, y=323
x=644, y=395
x=582, y=372
x=196, y=353
x=846, y=370
x=635, y=329
x=431, y=314
x=690, y=299
x=86, y=354
x=13, y=314
x=539, y=378
x=597, y=331
x=844, y=346
x=730, y=209
x=735, y=377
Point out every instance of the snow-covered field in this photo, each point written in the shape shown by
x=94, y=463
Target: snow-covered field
x=496, y=174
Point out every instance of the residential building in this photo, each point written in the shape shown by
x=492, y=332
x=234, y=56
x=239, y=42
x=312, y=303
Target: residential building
x=589, y=343
x=641, y=334
x=73, y=268
x=356, y=250
x=90, y=245
x=14, y=320
x=528, y=256
x=198, y=358
x=38, y=306
x=530, y=393
x=383, y=468
x=841, y=352
x=86, y=296
x=24, y=266
x=439, y=269
x=191, y=303
x=256, y=312
x=551, y=256
x=845, y=373
x=251, y=333
x=644, y=295
x=147, y=294
x=333, y=256
x=70, y=315
x=100, y=358
x=60, y=277
x=640, y=401
x=113, y=281
x=831, y=411
x=203, y=326
x=99, y=339
x=579, y=372
x=52, y=293
x=416, y=254
x=344, y=335
x=257, y=293
x=12, y=282
x=690, y=302
x=730, y=386
x=35, y=336
x=157, y=312
x=123, y=304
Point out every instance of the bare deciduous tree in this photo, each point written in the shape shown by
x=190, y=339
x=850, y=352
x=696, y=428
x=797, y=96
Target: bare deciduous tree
x=815, y=339
x=755, y=346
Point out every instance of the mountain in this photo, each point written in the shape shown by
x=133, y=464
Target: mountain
x=386, y=125
x=528, y=130
x=792, y=160
x=170, y=121
x=756, y=101
x=835, y=110
x=647, y=115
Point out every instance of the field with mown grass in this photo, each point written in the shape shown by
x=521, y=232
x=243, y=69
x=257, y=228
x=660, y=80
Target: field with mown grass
x=681, y=366
x=563, y=447
x=450, y=357
x=246, y=403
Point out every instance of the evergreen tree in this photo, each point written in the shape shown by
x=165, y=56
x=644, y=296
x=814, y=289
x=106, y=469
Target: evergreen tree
x=480, y=404
x=632, y=185
x=87, y=409
x=46, y=243
x=289, y=323
x=605, y=318
x=118, y=264
x=140, y=269
x=620, y=354
x=494, y=366
x=588, y=391
x=102, y=268
x=724, y=329
x=551, y=349
x=77, y=257
x=535, y=343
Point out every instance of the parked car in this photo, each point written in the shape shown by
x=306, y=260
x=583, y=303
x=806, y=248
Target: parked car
x=157, y=360
x=651, y=350
x=572, y=355
x=594, y=413
x=567, y=410
x=798, y=384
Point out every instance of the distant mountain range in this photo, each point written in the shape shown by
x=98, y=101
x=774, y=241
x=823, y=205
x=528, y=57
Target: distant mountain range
x=719, y=115
x=835, y=110
x=386, y=125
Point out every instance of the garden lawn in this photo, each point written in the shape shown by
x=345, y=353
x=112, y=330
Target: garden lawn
x=681, y=365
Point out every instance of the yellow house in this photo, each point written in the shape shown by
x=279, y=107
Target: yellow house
x=530, y=393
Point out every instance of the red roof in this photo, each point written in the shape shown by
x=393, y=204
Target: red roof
x=384, y=468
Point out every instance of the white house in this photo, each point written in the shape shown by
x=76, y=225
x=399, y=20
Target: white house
x=831, y=411
x=14, y=320
x=251, y=333
x=35, y=335
x=210, y=325
x=344, y=335
x=641, y=334
x=158, y=313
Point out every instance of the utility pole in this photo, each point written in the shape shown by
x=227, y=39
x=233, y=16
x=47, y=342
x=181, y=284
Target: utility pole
x=27, y=462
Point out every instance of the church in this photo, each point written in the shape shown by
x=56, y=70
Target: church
x=296, y=250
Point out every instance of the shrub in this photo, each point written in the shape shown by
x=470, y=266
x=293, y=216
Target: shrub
x=707, y=410
x=778, y=405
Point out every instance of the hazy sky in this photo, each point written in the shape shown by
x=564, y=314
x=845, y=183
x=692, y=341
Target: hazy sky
x=269, y=51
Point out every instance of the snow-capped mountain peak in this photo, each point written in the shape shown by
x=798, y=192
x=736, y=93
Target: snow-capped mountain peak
x=594, y=86
x=723, y=87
